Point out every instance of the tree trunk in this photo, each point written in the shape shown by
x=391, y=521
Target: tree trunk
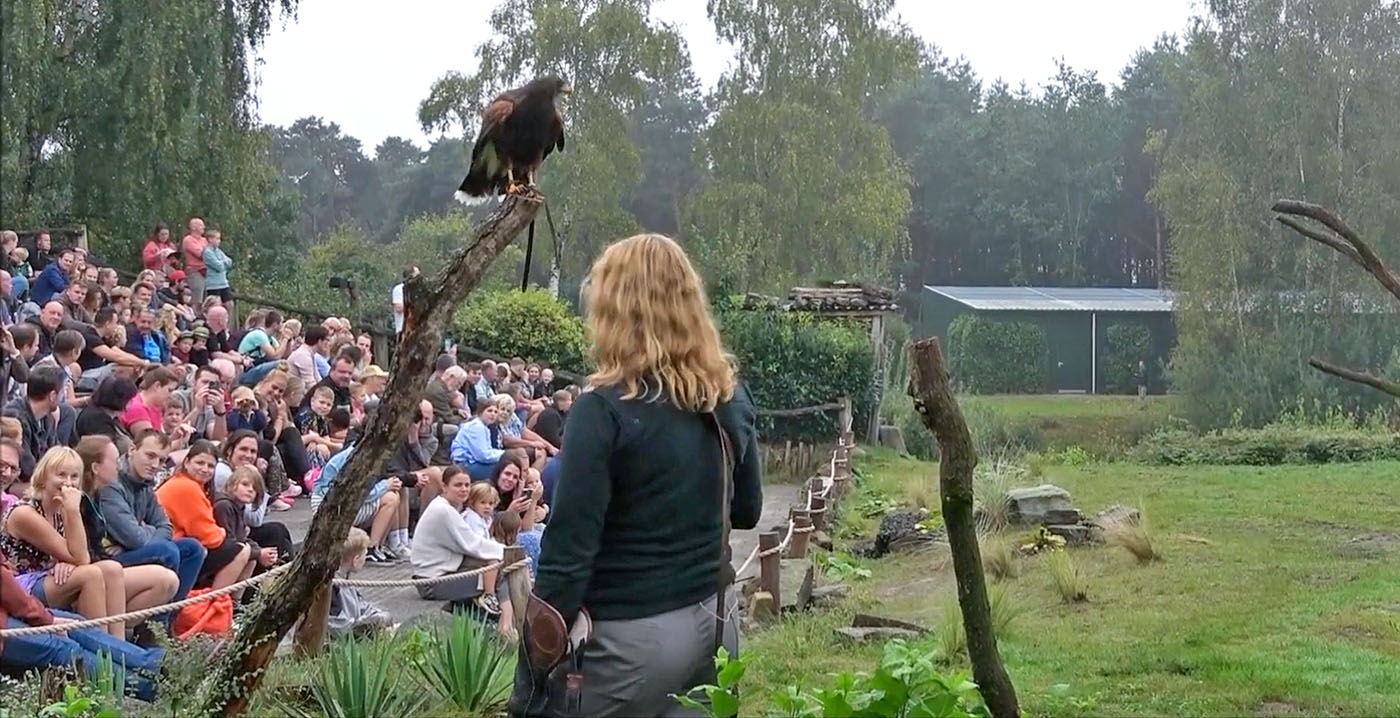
x=427, y=311
x=933, y=399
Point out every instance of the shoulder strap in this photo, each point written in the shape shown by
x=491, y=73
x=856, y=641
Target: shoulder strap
x=726, y=478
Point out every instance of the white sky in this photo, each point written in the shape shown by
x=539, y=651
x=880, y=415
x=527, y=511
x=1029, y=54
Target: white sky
x=366, y=64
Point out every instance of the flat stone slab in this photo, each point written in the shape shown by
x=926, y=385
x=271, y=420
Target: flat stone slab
x=1033, y=506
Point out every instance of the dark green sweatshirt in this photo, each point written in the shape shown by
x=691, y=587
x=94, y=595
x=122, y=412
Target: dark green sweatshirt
x=636, y=523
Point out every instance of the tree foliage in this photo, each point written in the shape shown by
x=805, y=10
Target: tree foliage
x=798, y=181
x=1292, y=99
x=124, y=113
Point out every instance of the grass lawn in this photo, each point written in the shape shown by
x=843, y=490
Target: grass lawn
x=1279, y=593
x=1098, y=423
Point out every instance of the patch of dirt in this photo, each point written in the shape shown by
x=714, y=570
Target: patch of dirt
x=1267, y=709
x=1369, y=545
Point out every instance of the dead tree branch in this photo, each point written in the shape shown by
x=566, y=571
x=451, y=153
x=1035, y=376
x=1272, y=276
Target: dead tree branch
x=937, y=407
x=1363, y=254
x=1374, y=381
x=428, y=308
x=1345, y=241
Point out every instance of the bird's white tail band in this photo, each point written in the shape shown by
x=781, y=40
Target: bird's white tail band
x=469, y=200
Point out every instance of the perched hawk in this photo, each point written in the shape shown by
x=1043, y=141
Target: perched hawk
x=518, y=130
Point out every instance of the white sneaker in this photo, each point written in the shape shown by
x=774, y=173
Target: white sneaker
x=401, y=551
x=293, y=490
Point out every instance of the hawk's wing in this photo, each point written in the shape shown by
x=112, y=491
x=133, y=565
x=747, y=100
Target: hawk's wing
x=493, y=120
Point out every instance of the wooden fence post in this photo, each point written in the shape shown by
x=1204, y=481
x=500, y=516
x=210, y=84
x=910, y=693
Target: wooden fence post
x=770, y=568
x=800, y=520
x=310, y=635
x=817, y=502
x=517, y=584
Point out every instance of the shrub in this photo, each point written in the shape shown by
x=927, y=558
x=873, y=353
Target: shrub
x=987, y=356
x=898, y=410
x=999, y=561
x=792, y=360
x=1126, y=344
x=527, y=324
x=1069, y=580
x=990, y=482
x=996, y=432
x=1135, y=537
x=1272, y=445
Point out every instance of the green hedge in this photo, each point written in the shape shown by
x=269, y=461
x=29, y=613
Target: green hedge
x=1271, y=445
x=987, y=356
x=530, y=324
x=1127, y=344
x=793, y=360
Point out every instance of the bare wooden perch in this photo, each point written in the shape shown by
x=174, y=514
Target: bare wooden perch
x=1340, y=237
x=938, y=408
x=427, y=311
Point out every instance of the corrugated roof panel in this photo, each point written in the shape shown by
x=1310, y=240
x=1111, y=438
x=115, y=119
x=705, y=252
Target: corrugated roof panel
x=1059, y=299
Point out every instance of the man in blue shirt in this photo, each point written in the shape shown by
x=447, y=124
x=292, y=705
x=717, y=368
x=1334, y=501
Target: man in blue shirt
x=54, y=279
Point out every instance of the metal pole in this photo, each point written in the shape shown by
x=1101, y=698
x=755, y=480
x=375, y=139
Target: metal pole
x=1094, y=347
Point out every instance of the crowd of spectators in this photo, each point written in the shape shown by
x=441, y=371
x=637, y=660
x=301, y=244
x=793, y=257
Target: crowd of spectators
x=149, y=443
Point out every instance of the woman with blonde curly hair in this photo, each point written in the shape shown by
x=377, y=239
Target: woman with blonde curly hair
x=644, y=497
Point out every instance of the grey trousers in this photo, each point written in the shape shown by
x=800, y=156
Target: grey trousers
x=632, y=667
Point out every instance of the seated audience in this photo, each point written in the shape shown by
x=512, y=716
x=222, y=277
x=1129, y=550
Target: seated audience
x=135, y=666
x=138, y=530
x=147, y=409
x=35, y=412
x=241, y=450
x=242, y=492
x=186, y=500
x=445, y=544
x=549, y=424
x=102, y=415
x=383, y=513
x=472, y=448
x=45, y=538
x=352, y=614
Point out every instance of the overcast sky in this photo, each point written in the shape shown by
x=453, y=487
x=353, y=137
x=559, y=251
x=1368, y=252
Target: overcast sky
x=366, y=64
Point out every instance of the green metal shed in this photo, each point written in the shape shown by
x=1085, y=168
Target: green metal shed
x=1075, y=320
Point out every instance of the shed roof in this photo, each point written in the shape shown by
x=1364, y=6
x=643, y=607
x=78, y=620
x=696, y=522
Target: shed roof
x=1059, y=299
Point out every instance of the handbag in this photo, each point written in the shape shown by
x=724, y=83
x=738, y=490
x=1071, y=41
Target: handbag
x=214, y=617
x=548, y=646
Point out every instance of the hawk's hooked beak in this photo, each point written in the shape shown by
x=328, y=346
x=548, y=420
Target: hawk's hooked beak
x=567, y=90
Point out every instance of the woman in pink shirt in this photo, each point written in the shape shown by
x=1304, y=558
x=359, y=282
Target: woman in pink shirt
x=152, y=256
x=193, y=246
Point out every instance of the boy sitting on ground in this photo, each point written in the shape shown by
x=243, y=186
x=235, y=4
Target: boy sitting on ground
x=351, y=613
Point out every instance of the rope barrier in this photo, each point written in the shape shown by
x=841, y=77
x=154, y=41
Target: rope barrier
x=404, y=583
x=144, y=613
x=137, y=616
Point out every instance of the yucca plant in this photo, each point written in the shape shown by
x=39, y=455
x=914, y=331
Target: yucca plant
x=469, y=666
x=361, y=679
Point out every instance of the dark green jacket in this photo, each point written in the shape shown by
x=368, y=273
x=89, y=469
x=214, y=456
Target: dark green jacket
x=636, y=522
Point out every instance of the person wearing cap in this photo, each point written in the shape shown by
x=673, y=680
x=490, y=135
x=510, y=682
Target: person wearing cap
x=245, y=413
x=175, y=285
x=199, y=345
x=184, y=343
x=374, y=380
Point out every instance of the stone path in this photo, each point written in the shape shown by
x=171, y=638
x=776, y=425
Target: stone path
x=404, y=604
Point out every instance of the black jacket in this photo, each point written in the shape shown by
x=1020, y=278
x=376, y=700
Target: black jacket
x=636, y=522
x=39, y=434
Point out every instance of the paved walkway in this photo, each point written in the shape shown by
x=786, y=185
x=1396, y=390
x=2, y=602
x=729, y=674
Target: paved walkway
x=404, y=604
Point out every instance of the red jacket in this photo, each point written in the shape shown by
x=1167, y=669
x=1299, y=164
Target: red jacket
x=15, y=601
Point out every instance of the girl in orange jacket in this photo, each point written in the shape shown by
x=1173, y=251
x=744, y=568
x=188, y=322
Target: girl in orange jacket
x=186, y=500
